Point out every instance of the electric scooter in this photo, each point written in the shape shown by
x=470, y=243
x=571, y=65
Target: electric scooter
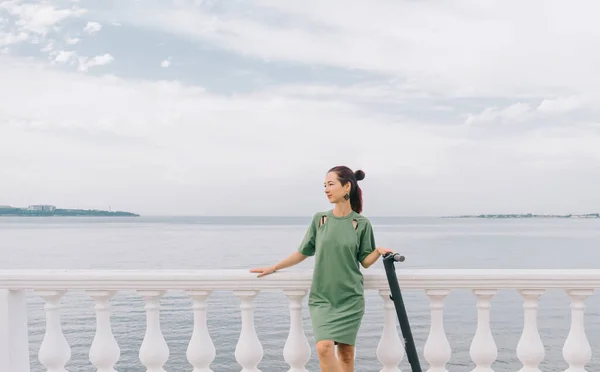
x=409, y=344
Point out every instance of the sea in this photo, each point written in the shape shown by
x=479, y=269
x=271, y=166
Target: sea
x=157, y=243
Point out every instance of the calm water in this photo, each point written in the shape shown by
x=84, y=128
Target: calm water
x=209, y=243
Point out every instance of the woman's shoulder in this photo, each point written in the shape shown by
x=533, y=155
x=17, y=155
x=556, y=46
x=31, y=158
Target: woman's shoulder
x=318, y=215
x=359, y=217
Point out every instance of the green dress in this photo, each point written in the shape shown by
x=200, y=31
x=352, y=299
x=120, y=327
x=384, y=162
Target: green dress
x=336, y=299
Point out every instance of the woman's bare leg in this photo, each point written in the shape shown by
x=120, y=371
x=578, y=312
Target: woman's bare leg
x=346, y=357
x=327, y=359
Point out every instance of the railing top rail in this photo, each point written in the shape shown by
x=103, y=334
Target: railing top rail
x=241, y=279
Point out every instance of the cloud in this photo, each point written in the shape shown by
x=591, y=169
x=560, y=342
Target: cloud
x=548, y=110
x=72, y=40
x=170, y=133
x=92, y=28
x=467, y=111
x=64, y=56
x=12, y=38
x=40, y=24
x=36, y=20
x=563, y=104
x=512, y=114
x=465, y=48
x=85, y=63
x=166, y=63
x=96, y=135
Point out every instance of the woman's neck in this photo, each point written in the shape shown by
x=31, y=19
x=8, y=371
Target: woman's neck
x=342, y=209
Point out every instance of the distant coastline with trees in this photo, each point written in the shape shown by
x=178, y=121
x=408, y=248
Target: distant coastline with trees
x=528, y=215
x=50, y=210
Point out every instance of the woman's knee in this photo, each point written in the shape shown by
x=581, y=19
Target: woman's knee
x=325, y=349
x=346, y=353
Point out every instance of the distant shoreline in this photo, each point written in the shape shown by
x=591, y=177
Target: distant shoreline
x=51, y=211
x=528, y=215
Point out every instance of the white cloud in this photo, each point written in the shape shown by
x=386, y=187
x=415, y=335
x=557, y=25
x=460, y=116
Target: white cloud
x=463, y=48
x=12, y=38
x=445, y=120
x=190, y=151
x=32, y=23
x=173, y=135
x=72, y=40
x=65, y=56
x=512, y=114
x=92, y=28
x=563, y=104
x=166, y=63
x=39, y=18
x=85, y=62
x=547, y=109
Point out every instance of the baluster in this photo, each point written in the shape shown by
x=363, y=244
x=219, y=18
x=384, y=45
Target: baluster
x=14, y=335
x=249, y=350
x=296, y=350
x=390, y=349
x=104, y=352
x=201, y=351
x=483, y=347
x=437, y=349
x=530, y=349
x=154, y=352
x=54, y=351
x=576, y=350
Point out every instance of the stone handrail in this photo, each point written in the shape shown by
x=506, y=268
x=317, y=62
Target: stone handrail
x=293, y=279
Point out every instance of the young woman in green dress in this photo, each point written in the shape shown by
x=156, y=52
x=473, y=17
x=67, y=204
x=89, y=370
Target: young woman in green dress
x=341, y=240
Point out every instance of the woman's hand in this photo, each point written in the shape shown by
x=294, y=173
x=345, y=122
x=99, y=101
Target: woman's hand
x=263, y=271
x=374, y=256
x=382, y=250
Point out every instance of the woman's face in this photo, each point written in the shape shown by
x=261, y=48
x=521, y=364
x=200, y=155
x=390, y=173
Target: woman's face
x=333, y=188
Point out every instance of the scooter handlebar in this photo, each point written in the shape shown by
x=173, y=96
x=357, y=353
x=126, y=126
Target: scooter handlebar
x=394, y=256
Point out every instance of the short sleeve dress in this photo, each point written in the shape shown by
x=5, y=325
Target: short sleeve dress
x=336, y=299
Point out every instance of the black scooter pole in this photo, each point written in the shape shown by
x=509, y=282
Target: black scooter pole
x=409, y=344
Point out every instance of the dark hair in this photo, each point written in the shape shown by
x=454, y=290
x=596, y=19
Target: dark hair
x=346, y=175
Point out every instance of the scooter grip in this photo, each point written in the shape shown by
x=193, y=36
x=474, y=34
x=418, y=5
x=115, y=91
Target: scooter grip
x=395, y=256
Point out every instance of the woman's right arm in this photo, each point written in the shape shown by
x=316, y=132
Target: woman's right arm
x=306, y=249
x=291, y=260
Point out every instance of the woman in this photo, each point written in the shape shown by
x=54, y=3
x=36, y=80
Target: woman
x=340, y=239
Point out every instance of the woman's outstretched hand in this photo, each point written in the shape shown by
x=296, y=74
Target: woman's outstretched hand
x=262, y=271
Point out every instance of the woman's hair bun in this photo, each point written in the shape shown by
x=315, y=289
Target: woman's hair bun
x=360, y=175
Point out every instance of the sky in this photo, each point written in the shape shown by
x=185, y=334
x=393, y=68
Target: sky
x=191, y=107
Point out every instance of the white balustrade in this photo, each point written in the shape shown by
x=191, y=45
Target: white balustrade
x=14, y=331
x=530, y=349
x=577, y=351
x=483, y=348
x=154, y=352
x=390, y=350
x=55, y=353
x=296, y=350
x=104, y=352
x=249, y=350
x=201, y=351
x=437, y=350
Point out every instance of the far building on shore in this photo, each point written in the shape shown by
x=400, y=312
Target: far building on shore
x=42, y=207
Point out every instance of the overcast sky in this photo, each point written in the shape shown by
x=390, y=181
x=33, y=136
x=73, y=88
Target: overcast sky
x=225, y=108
